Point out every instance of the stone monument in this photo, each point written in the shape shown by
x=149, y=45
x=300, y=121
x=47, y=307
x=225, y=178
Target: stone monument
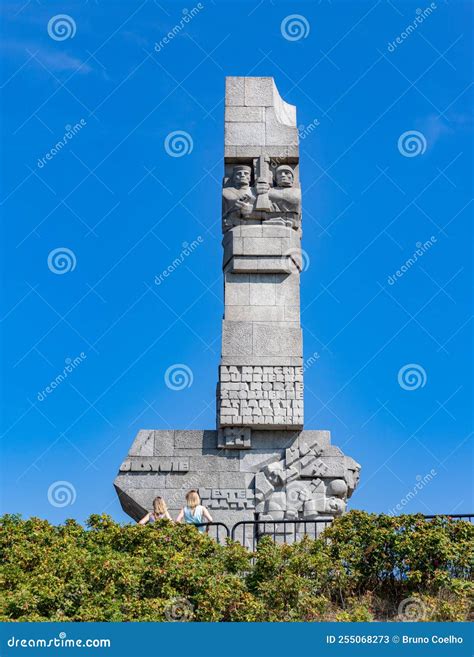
x=259, y=463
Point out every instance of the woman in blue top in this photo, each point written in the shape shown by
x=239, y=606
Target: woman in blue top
x=194, y=513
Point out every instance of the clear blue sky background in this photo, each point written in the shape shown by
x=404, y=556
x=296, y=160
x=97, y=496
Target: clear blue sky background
x=124, y=207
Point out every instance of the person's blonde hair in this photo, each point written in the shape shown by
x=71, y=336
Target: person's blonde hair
x=193, y=499
x=159, y=506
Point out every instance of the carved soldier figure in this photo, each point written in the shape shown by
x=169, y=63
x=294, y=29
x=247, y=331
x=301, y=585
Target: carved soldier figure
x=273, y=477
x=284, y=196
x=238, y=198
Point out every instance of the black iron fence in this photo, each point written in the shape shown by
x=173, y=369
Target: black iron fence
x=249, y=532
x=218, y=530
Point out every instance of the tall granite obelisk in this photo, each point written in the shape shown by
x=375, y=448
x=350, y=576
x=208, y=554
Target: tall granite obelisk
x=261, y=376
x=259, y=462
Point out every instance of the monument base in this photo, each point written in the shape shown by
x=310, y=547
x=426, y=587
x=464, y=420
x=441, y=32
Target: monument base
x=284, y=475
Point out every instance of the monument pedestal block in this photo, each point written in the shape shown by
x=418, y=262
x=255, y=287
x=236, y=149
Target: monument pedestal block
x=285, y=475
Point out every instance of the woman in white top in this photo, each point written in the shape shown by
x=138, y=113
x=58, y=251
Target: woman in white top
x=160, y=511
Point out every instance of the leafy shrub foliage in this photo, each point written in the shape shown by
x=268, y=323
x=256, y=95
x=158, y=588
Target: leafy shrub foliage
x=365, y=567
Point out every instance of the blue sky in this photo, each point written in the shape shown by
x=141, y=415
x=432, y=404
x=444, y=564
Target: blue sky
x=123, y=208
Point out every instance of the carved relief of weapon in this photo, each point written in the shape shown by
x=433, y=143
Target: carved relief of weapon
x=262, y=183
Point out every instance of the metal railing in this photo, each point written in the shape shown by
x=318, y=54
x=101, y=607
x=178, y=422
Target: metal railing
x=249, y=532
x=452, y=516
x=217, y=530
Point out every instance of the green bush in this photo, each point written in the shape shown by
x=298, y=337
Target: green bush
x=364, y=567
